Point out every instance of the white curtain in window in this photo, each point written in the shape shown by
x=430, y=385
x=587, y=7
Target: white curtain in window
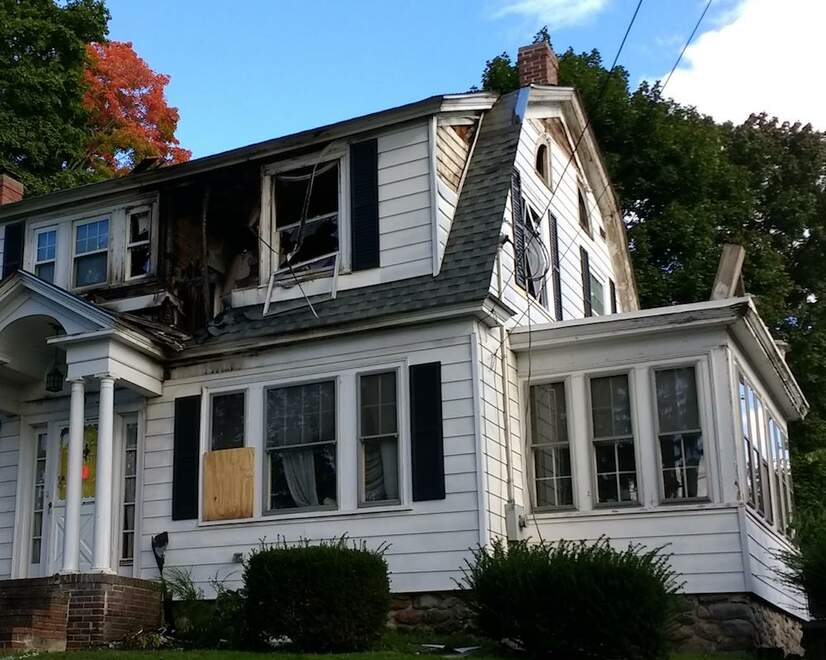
x=299, y=470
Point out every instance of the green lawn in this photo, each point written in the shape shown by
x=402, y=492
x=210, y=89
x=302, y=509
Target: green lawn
x=246, y=655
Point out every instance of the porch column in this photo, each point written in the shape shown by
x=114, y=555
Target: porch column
x=74, y=480
x=102, y=558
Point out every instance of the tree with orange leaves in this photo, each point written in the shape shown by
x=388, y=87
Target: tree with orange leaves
x=129, y=117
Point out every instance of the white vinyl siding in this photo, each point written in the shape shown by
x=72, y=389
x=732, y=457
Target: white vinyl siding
x=8, y=488
x=428, y=541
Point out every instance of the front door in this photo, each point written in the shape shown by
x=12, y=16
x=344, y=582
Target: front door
x=57, y=523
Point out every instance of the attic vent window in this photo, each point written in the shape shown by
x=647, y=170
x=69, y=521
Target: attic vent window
x=543, y=164
x=309, y=193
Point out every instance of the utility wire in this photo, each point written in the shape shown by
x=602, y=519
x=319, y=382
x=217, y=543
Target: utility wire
x=600, y=94
x=685, y=47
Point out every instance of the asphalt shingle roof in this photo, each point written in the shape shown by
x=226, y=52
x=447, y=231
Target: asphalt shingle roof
x=467, y=266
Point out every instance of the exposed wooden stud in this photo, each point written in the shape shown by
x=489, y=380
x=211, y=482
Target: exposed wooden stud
x=729, y=280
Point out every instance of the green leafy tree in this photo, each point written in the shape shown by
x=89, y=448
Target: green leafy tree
x=42, y=59
x=687, y=185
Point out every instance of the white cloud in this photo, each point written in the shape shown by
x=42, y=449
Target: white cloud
x=556, y=13
x=767, y=58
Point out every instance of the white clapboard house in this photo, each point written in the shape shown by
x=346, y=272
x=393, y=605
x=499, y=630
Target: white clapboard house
x=418, y=327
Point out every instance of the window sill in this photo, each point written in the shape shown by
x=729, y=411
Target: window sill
x=269, y=519
x=687, y=508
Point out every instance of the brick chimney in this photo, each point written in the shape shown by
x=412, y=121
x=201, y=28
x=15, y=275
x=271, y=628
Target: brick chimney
x=538, y=65
x=11, y=190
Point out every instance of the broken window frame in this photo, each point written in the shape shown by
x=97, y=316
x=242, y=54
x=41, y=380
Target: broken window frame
x=131, y=245
x=271, y=250
x=107, y=251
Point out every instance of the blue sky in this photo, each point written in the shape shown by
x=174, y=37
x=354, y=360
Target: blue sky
x=250, y=70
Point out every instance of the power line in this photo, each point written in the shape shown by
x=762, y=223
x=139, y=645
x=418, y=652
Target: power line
x=600, y=94
x=685, y=47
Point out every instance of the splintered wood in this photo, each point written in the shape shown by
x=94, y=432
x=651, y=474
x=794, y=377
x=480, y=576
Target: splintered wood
x=453, y=145
x=229, y=483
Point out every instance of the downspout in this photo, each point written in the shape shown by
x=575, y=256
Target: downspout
x=506, y=404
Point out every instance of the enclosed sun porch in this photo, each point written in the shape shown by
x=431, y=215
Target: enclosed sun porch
x=666, y=427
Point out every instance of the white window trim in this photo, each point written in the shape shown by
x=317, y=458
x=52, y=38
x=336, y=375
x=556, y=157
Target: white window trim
x=108, y=251
x=362, y=502
x=346, y=450
x=546, y=142
x=269, y=232
x=152, y=242
x=567, y=382
x=628, y=372
x=699, y=380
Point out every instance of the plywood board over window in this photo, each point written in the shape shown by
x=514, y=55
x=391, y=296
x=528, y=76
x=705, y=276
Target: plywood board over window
x=229, y=483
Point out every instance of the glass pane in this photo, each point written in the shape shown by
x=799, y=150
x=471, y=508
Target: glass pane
x=381, y=470
x=91, y=270
x=606, y=459
x=611, y=406
x=303, y=477
x=38, y=497
x=131, y=435
x=597, y=297
x=673, y=484
x=607, y=488
x=36, y=551
x=300, y=414
x=139, y=224
x=671, y=450
x=45, y=271
x=549, y=420
x=128, y=546
x=378, y=404
x=92, y=236
x=554, y=492
x=139, y=260
x=46, y=245
x=628, y=487
x=129, y=516
x=625, y=456
x=129, y=489
x=228, y=420
x=552, y=462
x=677, y=400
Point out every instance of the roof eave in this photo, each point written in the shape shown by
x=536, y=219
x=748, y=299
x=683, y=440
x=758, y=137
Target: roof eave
x=473, y=101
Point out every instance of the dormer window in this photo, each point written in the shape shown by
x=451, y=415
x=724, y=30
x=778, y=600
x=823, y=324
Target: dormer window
x=91, y=252
x=45, y=253
x=307, y=214
x=543, y=164
x=139, y=245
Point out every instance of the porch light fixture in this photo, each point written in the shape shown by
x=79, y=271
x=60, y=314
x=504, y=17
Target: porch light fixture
x=54, y=380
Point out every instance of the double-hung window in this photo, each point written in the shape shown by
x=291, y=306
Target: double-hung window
x=379, y=437
x=682, y=460
x=550, y=445
x=45, y=253
x=91, y=252
x=227, y=421
x=613, y=439
x=300, y=434
x=748, y=443
x=597, y=296
x=138, y=242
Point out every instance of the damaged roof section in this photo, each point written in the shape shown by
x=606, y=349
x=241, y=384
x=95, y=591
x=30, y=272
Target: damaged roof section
x=467, y=266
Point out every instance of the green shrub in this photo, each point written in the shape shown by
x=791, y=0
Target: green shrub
x=806, y=564
x=328, y=597
x=574, y=600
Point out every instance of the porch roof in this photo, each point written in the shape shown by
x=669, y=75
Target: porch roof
x=738, y=316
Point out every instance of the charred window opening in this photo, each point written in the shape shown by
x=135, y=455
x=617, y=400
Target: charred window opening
x=306, y=213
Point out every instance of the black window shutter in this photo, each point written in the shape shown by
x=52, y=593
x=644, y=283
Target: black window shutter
x=555, y=272
x=613, y=289
x=426, y=442
x=586, y=281
x=13, y=248
x=518, y=221
x=185, y=457
x=364, y=204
